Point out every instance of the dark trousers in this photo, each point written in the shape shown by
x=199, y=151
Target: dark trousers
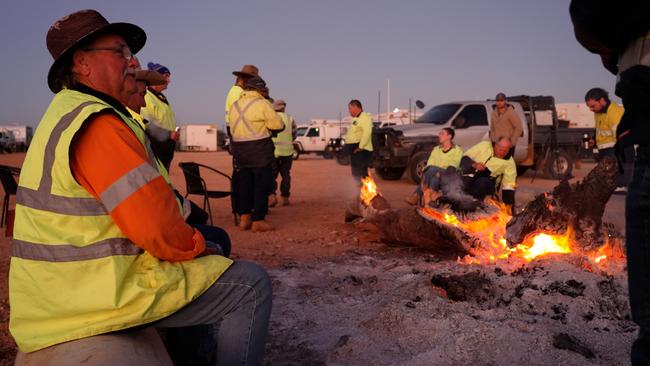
x=193, y=345
x=360, y=162
x=282, y=167
x=254, y=188
x=476, y=183
x=628, y=166
x=164, y=151
x=637, y=231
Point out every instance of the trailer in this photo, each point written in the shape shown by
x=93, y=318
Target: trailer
x=20, y=139
x=198, y=138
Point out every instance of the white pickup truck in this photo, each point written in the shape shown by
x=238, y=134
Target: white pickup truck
x=554, y=149
x=314, y=138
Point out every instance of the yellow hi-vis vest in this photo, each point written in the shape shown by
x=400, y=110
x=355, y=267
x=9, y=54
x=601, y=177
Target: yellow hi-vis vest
x=441, y=159
x=158, y=112
x=284, y=141
x=73, y=272
x=503, y=170
x=606, y=124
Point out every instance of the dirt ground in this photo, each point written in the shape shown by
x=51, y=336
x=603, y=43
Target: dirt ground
x=339, y=300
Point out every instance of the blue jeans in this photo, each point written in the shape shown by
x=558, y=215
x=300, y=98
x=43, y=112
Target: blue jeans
x=237, y=306
x=429, y=179
x=637, y=233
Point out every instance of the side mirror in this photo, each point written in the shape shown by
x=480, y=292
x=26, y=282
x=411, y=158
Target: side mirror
x=419, y=104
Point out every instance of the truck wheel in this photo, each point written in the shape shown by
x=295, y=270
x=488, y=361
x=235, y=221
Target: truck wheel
x=343, y=159
x=559, y=165
x=295, y=155
x=390, y=173
x=417, y=164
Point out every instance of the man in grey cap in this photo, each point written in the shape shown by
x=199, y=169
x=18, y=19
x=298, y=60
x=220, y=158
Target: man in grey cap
x=97, y=221
x=283, y=155
x=505, y=123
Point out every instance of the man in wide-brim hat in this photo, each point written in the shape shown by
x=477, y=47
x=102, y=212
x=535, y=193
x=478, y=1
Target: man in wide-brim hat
x=100, y=243
x=246, y=72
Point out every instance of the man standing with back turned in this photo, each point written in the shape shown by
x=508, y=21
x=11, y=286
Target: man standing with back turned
x=100, y=244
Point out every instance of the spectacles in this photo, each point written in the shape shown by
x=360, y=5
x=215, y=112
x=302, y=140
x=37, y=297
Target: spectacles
x=125, y=51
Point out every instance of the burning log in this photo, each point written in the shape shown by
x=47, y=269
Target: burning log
x=575, y=207
x=408, y=227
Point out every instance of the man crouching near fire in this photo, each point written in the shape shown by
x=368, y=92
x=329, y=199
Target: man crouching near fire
x=486, y=166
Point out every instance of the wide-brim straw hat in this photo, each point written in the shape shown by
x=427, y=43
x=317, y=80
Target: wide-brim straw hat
x=152, y=78
x=66, y=33
x=247, y=70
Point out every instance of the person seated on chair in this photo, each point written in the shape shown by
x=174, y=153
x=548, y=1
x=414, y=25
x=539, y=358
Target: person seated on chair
x=100, y=244
x=443, y=157
x=487, y=165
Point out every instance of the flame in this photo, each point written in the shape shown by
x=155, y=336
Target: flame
x=368, y=190
x=543, y=243
x=491, y=230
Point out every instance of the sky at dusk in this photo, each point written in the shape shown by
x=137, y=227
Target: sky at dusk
x=317, y=55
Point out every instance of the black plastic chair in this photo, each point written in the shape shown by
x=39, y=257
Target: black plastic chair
x=195, y=184
x=7, y=177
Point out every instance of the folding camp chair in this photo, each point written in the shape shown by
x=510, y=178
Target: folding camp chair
x=195, y=184
x=7, y=177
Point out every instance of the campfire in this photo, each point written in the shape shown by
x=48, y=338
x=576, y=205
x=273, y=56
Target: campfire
x=554, y=224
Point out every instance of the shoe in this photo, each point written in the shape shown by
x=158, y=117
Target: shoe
x=245, y=222
x=284, y=200
x=261, y=226
x=413, y=199
x=272, y=200
x=620, y=190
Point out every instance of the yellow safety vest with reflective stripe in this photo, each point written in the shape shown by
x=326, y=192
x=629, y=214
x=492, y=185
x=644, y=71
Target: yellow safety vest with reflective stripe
x=284, y=141
x=503, y=170
x=251, y=117
x=158, y=112
x=441, y=159
x=73, y=272
x=606, y=124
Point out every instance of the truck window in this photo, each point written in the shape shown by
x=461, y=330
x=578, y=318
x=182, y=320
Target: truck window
x=313, y=132
x=300, y=131
x=439, y=114
x=471, y=115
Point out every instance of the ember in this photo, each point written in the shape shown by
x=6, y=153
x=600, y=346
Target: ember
x=490, y=229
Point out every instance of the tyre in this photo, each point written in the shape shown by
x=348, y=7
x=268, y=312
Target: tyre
x=328, y=153
x=343, y=159
x=390, y=173
x=558, y=165
x=417, y=164
x=521, y=170
x=296, y=154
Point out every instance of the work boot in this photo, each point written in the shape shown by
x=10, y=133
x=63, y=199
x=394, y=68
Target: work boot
x=245, y=222
x=284, y=200
x=272, y=200
x=413, y=199
x=261, y=225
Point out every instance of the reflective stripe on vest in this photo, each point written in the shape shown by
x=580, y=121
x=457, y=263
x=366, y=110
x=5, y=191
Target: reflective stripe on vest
x=241, y=119
x=73, y=272
x=69, y=253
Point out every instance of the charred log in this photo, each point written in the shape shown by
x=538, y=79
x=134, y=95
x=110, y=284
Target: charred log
x=579, y=206
x=406, y=227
